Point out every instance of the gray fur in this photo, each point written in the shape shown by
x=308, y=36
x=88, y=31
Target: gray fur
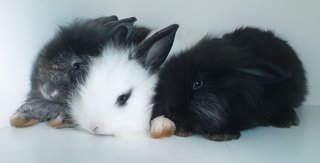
x=63, y=63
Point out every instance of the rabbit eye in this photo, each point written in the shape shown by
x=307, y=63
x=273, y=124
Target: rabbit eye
x=76, y=66
x=122, y=99
x=197, y=85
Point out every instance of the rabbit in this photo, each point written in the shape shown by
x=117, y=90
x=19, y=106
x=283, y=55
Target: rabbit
x=222, y=86
x=62, y=63
x=115, y=98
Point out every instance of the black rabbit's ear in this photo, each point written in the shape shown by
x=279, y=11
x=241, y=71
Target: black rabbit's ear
x=266, y=73
x=153, y=51
x=121, y=30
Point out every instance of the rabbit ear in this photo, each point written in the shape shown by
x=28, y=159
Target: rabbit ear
x=153, y=51
x=121, y=30
x=105, y=19
x=266, y=73
x=102, y=20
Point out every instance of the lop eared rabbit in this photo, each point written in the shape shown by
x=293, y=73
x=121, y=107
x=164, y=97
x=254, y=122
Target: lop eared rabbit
x=221, y=86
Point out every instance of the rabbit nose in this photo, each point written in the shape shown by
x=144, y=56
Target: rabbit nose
x=95, y=129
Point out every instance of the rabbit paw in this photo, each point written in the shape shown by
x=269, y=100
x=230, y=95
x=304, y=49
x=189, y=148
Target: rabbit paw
x=223, y=137
x=162, y=127
x=286, y=119
x=61, y=122
x=20, y=120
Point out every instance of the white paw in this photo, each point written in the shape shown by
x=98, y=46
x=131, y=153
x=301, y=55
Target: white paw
x=162, y=127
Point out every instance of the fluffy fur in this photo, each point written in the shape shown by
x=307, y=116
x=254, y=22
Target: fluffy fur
x=110, y=76
x=63, y=62
x=115, y=98
x=222, y=86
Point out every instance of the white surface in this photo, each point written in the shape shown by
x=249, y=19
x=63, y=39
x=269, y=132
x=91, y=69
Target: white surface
x=261, y=145
x=27, y=25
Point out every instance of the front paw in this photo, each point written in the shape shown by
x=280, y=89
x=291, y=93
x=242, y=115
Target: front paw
x=20, y=120
x=223, y=137
x=61, y=122
x=162, y=127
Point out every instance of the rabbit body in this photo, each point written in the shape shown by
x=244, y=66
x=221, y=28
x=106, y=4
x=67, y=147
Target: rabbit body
x=221, y=86
x=62, y=64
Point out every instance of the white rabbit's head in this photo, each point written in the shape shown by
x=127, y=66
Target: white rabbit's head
x=115, y=98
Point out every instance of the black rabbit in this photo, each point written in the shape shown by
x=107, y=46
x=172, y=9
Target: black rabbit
x=63, y=63
x=221, y=86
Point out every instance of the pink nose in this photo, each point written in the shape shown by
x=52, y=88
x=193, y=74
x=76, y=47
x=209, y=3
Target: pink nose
x=94, y=128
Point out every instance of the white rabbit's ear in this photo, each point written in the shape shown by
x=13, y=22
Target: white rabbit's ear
x=153, y=51
x=121, y=30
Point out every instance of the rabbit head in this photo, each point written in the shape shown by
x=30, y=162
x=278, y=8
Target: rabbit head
x=115, y=98
x=64, y=60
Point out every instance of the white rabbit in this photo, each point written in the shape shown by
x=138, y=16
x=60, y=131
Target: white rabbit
x=115, y=98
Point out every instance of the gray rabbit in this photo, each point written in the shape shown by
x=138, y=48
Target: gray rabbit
x=62, y=64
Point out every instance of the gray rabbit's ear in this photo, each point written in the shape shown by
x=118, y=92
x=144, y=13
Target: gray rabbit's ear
x=266, y=73
x=121, y=30
x=153, y=51
x=101, y=21
x=106, y=19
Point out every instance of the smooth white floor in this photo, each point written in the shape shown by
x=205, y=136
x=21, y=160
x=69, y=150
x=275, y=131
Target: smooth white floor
x=261, y=145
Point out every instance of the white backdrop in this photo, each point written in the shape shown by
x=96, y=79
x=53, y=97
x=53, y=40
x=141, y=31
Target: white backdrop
x=27, y=25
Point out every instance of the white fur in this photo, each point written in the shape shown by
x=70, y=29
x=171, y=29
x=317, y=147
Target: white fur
x=46, y=93
x=54, y=93
x=43, y=90
x=94, y=106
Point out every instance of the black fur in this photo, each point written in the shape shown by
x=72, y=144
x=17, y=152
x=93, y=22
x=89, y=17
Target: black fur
x=250, y=77
x=63, y=63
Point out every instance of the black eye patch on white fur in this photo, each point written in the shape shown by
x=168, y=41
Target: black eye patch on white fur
x=122, y=99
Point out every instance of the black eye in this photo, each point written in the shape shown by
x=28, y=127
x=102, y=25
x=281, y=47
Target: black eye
x=197, y=85
x=123, y=99
x=76, y=66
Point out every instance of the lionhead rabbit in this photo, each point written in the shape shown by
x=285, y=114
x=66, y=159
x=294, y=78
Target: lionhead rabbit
x=115, y=98
x=63, y=62
x=222, y=86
